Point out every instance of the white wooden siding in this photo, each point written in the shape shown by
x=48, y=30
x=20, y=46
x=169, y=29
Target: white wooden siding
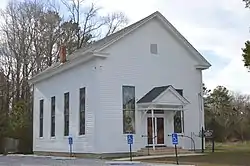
x=69, y=81
x=131, y=63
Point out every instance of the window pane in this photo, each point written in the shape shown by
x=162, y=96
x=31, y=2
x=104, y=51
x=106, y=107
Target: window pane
x=41, y=128
x=53, y=107
x=128, y=121
x=82, y=123
x=178, y=122
x=53, y=127
x=182, y=121
x=41, y=118
x=156, y=112
x=41, y=108
x=128, y=93
x=66, y=126
x=128, y=97
x=153, y=48
x=66, y=114
x=82, y=112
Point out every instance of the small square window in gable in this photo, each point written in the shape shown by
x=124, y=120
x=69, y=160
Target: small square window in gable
x=153, y=49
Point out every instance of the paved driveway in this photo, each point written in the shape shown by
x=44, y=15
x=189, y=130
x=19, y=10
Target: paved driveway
x=48, y=161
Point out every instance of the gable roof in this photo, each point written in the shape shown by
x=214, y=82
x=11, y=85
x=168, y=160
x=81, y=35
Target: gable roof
x=94, y=49
x=155, y=92
x=204, y=64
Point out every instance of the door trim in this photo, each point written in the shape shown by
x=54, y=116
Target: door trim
x=155, y=117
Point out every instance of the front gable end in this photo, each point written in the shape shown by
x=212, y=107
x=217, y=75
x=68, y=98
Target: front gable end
x=159, y=21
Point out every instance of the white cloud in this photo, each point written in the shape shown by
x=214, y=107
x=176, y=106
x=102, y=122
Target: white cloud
x=219, y=26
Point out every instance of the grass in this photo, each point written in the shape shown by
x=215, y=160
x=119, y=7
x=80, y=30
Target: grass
x=229, y=154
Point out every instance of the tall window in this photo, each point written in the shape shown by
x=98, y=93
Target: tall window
x=41, y=119
x=179, y=122
x=82, y=112
x=66, y=114
x=53, y=122
x=128, y=95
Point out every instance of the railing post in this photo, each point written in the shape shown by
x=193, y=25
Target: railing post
x=212, y=143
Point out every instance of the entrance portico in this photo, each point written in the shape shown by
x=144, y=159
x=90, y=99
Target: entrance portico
x=157, y=106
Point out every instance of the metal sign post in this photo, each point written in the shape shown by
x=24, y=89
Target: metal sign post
x=175, y=142
x=70, y=145
x=130, y=142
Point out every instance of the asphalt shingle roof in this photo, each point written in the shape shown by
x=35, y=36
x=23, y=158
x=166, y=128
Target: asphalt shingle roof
x=155, y=92
x=100, y=43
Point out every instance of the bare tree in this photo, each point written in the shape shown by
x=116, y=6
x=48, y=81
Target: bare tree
x=31, y=33
x=90, y=24
x=17, y=56
x=115, y=22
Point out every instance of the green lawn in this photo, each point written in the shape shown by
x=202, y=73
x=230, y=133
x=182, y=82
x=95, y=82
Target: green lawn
x=230, y=154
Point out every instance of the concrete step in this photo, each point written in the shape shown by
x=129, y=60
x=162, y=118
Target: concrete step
x=162, y=151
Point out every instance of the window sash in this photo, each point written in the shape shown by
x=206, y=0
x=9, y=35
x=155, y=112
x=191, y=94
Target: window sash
x=82, y=100
x=153, y=48
x=66, y=126
x=179, y=122
x=53, y=105
x=128, y=99
x=41, y=128
x=53, y=125
x=128, y=121
x=41, y=118
x=66, y=114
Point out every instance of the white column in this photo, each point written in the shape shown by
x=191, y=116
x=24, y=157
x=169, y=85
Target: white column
x=153, y=129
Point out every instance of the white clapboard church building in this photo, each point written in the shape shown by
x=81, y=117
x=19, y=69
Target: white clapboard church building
x=145, y=80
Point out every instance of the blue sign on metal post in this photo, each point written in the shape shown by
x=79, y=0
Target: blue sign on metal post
x=130, y=139
x=70, y=140
x=174, y=139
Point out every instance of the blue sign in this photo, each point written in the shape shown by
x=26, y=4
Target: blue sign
x=174, y=139
x=70, y=140
x=130, y=139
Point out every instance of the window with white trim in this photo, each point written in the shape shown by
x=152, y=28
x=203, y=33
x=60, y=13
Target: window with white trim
x=128, y=98
x=179, y=122
x=66, y=114
x=41, y=118
x=82, y=111
x=53, y=116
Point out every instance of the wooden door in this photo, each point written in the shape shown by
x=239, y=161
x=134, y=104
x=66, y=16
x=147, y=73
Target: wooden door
x=149, y=128
x=160, y=130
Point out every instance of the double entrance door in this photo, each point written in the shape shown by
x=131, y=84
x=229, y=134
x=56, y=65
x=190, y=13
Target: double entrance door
x=158, y=123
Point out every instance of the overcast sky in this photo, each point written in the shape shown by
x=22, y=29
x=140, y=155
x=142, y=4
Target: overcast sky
x=217, y=28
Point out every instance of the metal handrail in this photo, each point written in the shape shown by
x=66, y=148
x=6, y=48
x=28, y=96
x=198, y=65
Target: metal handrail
x=148, y=137
x=182, y=135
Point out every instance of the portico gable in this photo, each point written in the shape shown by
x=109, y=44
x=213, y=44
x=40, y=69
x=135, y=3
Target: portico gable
x=163, y=98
